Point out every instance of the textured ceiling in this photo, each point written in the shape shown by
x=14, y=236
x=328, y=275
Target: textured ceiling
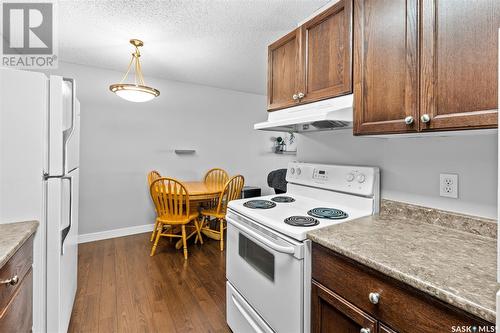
x=212, y=42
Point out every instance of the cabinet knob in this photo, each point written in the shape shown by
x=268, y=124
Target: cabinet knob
x=301, y=95
x=12, y=281
x=425, y=118
x=374, y=298
x=365, y=330
x=295, y=97
x=409, y=120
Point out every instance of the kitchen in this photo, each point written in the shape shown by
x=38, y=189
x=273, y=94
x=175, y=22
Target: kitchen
x=402, y=130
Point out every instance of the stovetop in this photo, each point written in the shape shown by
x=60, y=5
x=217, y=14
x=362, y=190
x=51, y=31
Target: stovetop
x=274, y=218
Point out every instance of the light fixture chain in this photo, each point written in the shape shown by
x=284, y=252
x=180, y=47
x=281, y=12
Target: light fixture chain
x=128, y=69
x=139, y=72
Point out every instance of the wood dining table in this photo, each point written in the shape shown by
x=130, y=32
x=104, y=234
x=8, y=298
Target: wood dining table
x=199, y=192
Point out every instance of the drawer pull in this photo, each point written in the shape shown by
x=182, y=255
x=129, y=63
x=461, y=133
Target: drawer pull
x=12, y=281
x=364, y=330
x=374, y=298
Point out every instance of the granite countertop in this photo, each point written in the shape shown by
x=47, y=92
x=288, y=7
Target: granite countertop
x=13, y=236
x=449, y=256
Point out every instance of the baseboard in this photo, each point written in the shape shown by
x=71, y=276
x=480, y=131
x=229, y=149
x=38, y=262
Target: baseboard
x=95, y=236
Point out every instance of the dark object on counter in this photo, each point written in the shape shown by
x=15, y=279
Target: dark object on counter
x=276, y=179
x=250, y=192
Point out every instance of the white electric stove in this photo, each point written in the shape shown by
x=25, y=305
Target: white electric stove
x=268, y=253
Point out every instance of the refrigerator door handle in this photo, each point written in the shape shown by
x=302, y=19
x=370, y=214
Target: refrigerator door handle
x=66, y=230
x=69, y=132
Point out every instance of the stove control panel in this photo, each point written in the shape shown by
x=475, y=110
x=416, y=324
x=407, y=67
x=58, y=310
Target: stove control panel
x=320, y=174
x=358, y=180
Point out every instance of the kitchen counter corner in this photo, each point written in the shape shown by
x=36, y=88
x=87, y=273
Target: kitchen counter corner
x=13, y=236
x=456, y=265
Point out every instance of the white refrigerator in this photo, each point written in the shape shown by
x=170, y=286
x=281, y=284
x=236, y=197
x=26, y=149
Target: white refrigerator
x=39, y=168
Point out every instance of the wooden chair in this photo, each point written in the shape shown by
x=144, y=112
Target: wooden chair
x=232, y=191
x=171, y=200
x=216, y=177
x=152, y=176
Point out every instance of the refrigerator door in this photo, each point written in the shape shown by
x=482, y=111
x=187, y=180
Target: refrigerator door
x=62, y=121
x=62, y=249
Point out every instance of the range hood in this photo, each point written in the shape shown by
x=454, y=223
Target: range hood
x=330, y=114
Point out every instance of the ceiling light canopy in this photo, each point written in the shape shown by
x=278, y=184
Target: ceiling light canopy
x=137, y=91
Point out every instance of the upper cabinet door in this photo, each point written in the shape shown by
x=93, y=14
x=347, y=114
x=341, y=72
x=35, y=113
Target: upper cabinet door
x=459, y=64
x=327, y=53
x=385, y=66
x=283, y=71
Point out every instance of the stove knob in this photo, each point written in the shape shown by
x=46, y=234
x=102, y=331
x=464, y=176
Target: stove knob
x=292, y=171
x=349, y=177
x=298, y=171
x=361, y=178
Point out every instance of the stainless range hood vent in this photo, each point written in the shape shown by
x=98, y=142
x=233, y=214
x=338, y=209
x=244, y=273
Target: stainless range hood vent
x=330, y=114
x=330, y=124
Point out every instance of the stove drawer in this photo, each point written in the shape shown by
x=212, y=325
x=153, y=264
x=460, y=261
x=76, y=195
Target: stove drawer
x=240, y=315
x=400, y=306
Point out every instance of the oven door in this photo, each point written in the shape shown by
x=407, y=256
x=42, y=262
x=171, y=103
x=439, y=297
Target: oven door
x=267, y=270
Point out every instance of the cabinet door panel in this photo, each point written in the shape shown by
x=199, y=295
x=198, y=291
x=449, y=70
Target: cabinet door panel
x=384, y=329
x=459, y=63
x=332, y=313
x=328, y=53
x=283, y=71
x=385, y=66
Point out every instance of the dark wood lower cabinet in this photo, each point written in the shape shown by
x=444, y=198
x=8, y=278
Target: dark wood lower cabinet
x=16, y=291
x=342, y=301
x=384, y=329
x=332, y=313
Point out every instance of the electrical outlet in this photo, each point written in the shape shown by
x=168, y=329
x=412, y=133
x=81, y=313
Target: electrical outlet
x=448, y=185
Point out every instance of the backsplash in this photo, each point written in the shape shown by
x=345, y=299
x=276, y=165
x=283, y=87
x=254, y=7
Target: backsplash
x=410, y=167
x=471, y=224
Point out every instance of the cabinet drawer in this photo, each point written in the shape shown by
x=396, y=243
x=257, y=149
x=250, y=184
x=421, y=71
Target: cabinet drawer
x=400, y=306
x=18, y=315
x=18, y=265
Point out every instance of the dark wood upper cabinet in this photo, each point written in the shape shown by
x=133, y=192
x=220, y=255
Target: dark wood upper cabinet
x=313, y=62
x=459, y=62
x=439, y=67
x=283, y=61
x=332, y=313
x=385, y=66
x=327, y=52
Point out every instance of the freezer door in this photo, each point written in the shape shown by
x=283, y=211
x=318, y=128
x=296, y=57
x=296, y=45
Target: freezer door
x=62, y=249
x=73, y=144
x=62, y=123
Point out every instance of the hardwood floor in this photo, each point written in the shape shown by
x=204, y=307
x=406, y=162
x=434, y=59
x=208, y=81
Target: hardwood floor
x=122, y=289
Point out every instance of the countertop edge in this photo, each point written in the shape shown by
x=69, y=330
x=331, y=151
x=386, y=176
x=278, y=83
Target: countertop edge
x=30, y=230
x=461, y=303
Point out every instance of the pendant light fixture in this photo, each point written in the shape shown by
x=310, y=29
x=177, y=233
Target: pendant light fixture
x=137, y=91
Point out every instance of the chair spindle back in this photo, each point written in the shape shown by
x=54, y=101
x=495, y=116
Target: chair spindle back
x=232, y=191
x=170, y=197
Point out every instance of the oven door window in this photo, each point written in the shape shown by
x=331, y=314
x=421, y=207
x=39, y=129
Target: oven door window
x=258, y=257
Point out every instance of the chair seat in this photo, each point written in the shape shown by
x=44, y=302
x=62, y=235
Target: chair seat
x=178, y=220
x=213, y=212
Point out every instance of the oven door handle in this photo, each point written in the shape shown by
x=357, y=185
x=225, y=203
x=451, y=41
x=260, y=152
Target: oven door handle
x=246, y=315
x=263, y=239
